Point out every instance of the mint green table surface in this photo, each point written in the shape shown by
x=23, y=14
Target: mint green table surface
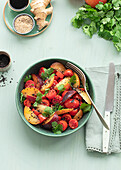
x=20, y=147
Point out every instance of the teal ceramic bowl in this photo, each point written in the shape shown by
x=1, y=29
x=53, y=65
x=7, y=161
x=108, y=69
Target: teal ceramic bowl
x=34, y=69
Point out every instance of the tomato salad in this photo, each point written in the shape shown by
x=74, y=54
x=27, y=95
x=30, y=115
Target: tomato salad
x=49, y=99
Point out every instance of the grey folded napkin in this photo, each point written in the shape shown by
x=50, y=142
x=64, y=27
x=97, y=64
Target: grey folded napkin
x=94, y=128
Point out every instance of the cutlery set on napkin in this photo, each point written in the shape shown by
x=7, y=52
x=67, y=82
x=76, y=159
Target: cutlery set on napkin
x=107, y=85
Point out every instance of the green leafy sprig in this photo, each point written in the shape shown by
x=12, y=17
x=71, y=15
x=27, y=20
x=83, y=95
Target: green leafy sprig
x=22, y=98
x=72, y=80
x=57, y=128
x=38, y=99
x=85, y=107
x=29, y=77
x=57, y=107
x=104, y=19
x=47, y=73
x=61, y=88
x=48, y=112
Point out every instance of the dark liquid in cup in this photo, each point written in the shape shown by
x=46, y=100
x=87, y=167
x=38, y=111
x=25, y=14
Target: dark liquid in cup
x=19, y=4
x=4, y=60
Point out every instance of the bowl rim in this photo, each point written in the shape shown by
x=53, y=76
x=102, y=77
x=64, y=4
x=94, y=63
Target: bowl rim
x=19, y=16
x=30, y=125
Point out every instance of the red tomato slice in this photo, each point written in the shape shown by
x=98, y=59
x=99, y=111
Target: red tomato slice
x=51, y=94
x=67, y=117
x=77, y=96
x=41, y=118
x=73, y=123
x=57, y=99
x=45, y=102
x=27, y=103
x=72, y=103
x=41, y=71
x=59, y=74
x=64, y=124
x=35, y=111
x=68, y=73
x=59, y=117
x=30, y=83
x=56, y=77
x=74, y=112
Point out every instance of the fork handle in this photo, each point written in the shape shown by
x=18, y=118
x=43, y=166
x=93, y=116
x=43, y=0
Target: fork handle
x=98, y=113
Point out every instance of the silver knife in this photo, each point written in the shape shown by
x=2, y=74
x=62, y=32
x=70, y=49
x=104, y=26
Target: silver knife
x=108, y=106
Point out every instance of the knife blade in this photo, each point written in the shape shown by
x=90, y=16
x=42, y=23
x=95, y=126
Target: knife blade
x=109, y=103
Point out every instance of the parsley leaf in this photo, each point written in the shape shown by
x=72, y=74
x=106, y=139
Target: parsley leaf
x=46, y=91
x=22, y=98
x=61, y=88
x=57, y=107
x=104, y=19
x=38, y=99
x=85, y=107
x=72, y=80
x=29, y=77
x=47, y=73
x=47, y=112
x=57, y=128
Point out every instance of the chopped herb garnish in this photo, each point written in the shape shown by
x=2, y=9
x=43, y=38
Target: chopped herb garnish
x=57, y=107
x=61, y=88
x=38, y=99
x=85, y=107
x=52, y=75
x=22, y=98
x=47, y=73
x=57, y=128
x=72, y=80
x=29, y=77
x=47, y=112
x=35, y=104
x=46, y=91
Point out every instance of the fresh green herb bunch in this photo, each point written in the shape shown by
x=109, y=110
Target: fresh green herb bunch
x=105, y=19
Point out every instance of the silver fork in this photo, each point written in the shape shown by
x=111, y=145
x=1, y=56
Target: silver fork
x=83, y=79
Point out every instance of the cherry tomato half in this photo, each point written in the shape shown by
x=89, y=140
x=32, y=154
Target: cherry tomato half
x=73, y=123
x=45, y=102
x=27, y=103
x=68, y=73
x=67, y=117
x=64, y=124
x=72, y=103
x=35, y=111
x=30, y=83
x=57, y=99
x=59, y=74
x=77, y=96
x=56, y=77
x=73, y=112
x=41, y=71
x=51, y=94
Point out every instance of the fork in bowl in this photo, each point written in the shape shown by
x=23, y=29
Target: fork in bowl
x=90, y=101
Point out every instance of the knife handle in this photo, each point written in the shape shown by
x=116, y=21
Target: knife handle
x=106, y=133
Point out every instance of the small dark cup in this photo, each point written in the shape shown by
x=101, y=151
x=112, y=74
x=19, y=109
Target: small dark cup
x=5, y=61
x=18, y=9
